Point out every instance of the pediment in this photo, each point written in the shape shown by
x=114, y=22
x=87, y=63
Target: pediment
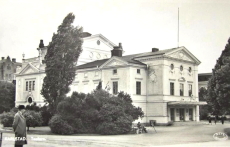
x=183, y=54
x=29, y=69
x=113, y=62
x=180, y=55
x=98, y=42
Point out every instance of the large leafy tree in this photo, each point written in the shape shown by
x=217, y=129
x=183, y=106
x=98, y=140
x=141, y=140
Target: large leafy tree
x=218, y=94
x=7, y=96
x=62, y=55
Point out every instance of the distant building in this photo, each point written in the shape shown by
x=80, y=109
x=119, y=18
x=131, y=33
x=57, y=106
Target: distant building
x=203, y=79
x=8, y=69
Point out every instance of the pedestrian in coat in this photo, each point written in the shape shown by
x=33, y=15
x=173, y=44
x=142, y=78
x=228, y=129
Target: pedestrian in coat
x=210, y=120
x=216, y=117
x=19, y=127
x=222, y=120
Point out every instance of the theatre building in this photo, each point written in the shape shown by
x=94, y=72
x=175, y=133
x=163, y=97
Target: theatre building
x=164, y=83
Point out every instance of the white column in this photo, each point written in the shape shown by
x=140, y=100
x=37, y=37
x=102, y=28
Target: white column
x=197, y=113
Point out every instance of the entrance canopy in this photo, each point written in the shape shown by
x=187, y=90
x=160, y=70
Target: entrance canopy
x=187, y=103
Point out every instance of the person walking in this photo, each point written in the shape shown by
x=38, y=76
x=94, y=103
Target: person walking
x=19, y=127
x=222, y=119
x=216, y=117
x=210, y=120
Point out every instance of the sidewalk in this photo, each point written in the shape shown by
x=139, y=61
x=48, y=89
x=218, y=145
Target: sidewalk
x=200, y=135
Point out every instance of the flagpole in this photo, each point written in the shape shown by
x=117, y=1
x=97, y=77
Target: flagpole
x=178, y=28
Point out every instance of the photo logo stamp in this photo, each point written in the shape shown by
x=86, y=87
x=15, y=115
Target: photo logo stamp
x=220, y=136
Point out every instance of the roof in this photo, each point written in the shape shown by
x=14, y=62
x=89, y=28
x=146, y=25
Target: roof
x=92, y=64
x=128, y=58
x=205, y=74
x=160, y=52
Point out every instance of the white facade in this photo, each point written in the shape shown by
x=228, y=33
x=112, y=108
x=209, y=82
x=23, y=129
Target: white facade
x=152, y=79
x=156, y=74
x=33, y=70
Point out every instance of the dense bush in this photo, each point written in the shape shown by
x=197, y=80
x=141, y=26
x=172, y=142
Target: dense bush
x=60, y=126
x=97, y=112
x=7, y=119
x=33, y=118
x=46, y=115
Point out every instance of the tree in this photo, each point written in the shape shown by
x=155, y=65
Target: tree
x=33, y=118
x=7, y=96
x=61, y=58
x=218, y=93
x=205, y=109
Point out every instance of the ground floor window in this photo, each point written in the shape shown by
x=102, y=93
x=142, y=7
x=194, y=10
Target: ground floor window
x=115, y=87
x=181, y=114
x=138, y=88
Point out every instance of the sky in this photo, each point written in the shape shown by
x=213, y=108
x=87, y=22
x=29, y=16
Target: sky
x=140, y=25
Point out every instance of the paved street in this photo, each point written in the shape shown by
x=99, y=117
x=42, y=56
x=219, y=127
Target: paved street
x=200, y=134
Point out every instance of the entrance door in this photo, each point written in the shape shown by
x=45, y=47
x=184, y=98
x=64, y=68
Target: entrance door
x=172, y=114
x=190, y=114
x=182, y=114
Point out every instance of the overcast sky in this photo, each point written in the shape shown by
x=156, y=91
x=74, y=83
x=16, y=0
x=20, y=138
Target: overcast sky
x=138, y=24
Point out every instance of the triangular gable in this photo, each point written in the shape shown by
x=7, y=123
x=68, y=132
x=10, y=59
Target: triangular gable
x=183, y=54
x=98, y=42
x=113, y=62
x=29, y=69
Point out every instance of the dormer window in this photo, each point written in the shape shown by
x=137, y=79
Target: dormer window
x=115, y=71
x=138, y=71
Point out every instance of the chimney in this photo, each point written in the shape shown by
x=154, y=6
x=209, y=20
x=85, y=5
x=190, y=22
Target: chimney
x=41, y=45
x=155, y=49
x=14, y=60
x=117, y=51
x=3, y=58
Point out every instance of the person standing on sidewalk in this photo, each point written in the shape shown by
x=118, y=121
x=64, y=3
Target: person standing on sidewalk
x=19, y=127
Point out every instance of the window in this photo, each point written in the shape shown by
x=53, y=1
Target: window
x=190, y=69
x=181, y=68
x=138, y=71
x=33, y=86
x=138, y=88
x=181, y=89
x=26, y=86
x=171, y=88
x=30, y=85
x=190, y=89
x=115, y=71
x=115, y=87
x=85, y=75
x=171, y=66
